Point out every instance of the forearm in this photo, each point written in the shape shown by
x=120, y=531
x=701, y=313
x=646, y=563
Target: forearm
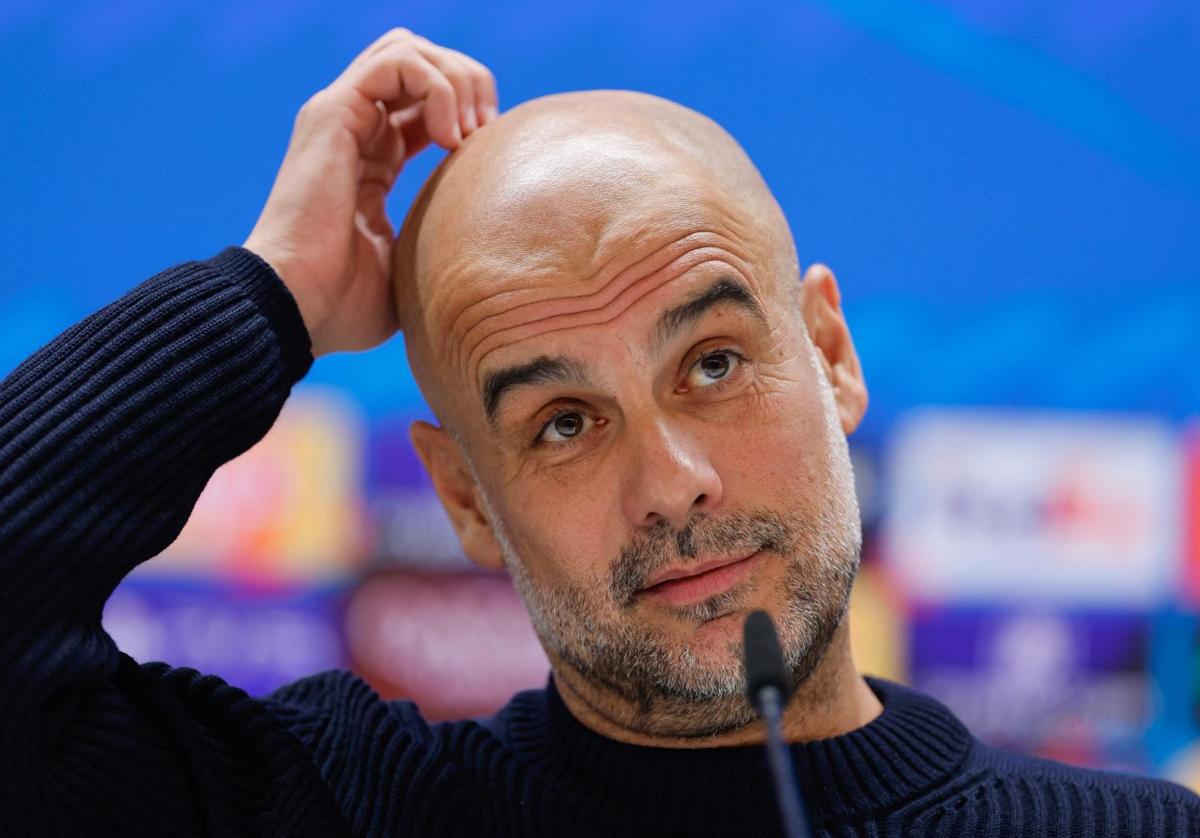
x=107, y=436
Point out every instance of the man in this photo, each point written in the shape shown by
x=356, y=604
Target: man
x=642, y=417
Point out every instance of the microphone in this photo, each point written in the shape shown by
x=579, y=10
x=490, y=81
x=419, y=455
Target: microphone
x=767, y=689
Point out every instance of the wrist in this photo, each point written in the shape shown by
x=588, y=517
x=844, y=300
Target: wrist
x=310, y=301
x=262, y=286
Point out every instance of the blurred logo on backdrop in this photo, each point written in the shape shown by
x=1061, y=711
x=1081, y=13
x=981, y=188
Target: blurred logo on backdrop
x=255, y=639
x=1179, y=659
x=288, y=510
x=878, y=625
x=1072, y=686
x=410, y=525
x=459, y=644
x=1034, y=507
x=1191, y=505
x=252, y=589
x=1034, y=550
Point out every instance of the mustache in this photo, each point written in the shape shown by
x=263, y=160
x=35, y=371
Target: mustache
x=663, y=546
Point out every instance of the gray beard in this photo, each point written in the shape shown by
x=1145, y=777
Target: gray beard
x=668, y=689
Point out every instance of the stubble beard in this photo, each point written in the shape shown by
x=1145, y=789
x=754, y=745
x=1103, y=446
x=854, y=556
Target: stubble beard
x=665, y=687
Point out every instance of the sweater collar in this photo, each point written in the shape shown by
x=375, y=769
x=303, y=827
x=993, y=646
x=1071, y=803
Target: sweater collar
x=914, y=745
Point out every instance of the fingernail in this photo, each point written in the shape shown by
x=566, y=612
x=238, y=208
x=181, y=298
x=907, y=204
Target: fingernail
x=471, y=120
x=457, y=134
x=490, y=113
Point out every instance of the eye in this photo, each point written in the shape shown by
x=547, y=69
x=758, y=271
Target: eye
x=712, y=368
x=563, y=427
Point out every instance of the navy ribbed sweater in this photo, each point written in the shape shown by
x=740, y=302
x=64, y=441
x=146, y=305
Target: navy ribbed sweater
x=108, y=435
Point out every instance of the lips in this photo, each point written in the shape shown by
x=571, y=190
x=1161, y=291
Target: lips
x=693, y=570
x=680, y=587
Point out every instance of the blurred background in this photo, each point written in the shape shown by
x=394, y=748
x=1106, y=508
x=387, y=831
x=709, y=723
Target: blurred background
x=1008, y=190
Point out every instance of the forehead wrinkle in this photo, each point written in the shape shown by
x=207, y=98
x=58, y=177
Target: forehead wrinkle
x=612, y=278
x=586, y=308
x=679, y=256
x=598, y=315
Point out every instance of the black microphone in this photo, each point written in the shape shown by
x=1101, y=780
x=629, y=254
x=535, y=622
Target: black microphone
x=767, y=689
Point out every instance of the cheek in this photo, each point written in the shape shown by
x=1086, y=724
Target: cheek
x=782, y=452
x=559, y=530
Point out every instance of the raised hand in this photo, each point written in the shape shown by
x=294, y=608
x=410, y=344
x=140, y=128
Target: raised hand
x=324, y=228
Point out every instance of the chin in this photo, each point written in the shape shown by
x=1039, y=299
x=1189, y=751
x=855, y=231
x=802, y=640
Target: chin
x=712, y=643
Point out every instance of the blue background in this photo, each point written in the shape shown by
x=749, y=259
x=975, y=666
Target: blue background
x=1008, y=191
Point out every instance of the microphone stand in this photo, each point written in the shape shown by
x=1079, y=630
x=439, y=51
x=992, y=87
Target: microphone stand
x=766, y=687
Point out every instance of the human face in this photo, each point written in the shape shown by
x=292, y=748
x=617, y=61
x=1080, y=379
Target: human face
x=659, y=453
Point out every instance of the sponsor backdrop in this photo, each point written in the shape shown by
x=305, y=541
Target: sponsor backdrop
x=1009, y=193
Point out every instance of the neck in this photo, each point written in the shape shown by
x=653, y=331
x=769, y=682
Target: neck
x=833, y=700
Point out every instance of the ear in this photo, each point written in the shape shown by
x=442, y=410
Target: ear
x=821, y=308
x=458, y=493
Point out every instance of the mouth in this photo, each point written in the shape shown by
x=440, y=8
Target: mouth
x=696, y=583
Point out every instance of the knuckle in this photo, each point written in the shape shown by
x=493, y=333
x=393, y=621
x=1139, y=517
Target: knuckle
x=315, y=104
x=399, y=47
x=456, y=75
x=481, y=75
x=404, y=52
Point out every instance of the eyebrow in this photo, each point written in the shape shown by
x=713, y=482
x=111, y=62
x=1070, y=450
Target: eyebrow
x=725, y=291
x=541, y=370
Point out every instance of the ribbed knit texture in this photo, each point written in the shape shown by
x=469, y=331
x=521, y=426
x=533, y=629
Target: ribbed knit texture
x=107, y=437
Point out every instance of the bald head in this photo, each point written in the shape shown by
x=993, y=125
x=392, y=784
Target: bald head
x=602, y=304
x=554, y=197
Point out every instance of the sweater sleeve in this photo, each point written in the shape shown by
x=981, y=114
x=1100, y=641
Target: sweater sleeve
x=107, y=436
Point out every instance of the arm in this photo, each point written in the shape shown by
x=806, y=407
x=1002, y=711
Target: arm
x=107, y=436
x=109, y=433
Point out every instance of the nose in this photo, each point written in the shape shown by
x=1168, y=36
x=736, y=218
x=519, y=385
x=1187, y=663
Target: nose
x=670, y=477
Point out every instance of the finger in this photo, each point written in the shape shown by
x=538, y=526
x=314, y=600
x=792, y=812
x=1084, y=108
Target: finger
x=384, y=155
x=416, y=137
x=392, y=36
x=460, y=75
x=399, y=73
x=480, y=78
x=371, y=206
x=487, y=103
x=409, y=124
x=454, y=67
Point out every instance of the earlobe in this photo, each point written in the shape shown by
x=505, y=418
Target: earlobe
x=821, y=308
x=458, y=493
